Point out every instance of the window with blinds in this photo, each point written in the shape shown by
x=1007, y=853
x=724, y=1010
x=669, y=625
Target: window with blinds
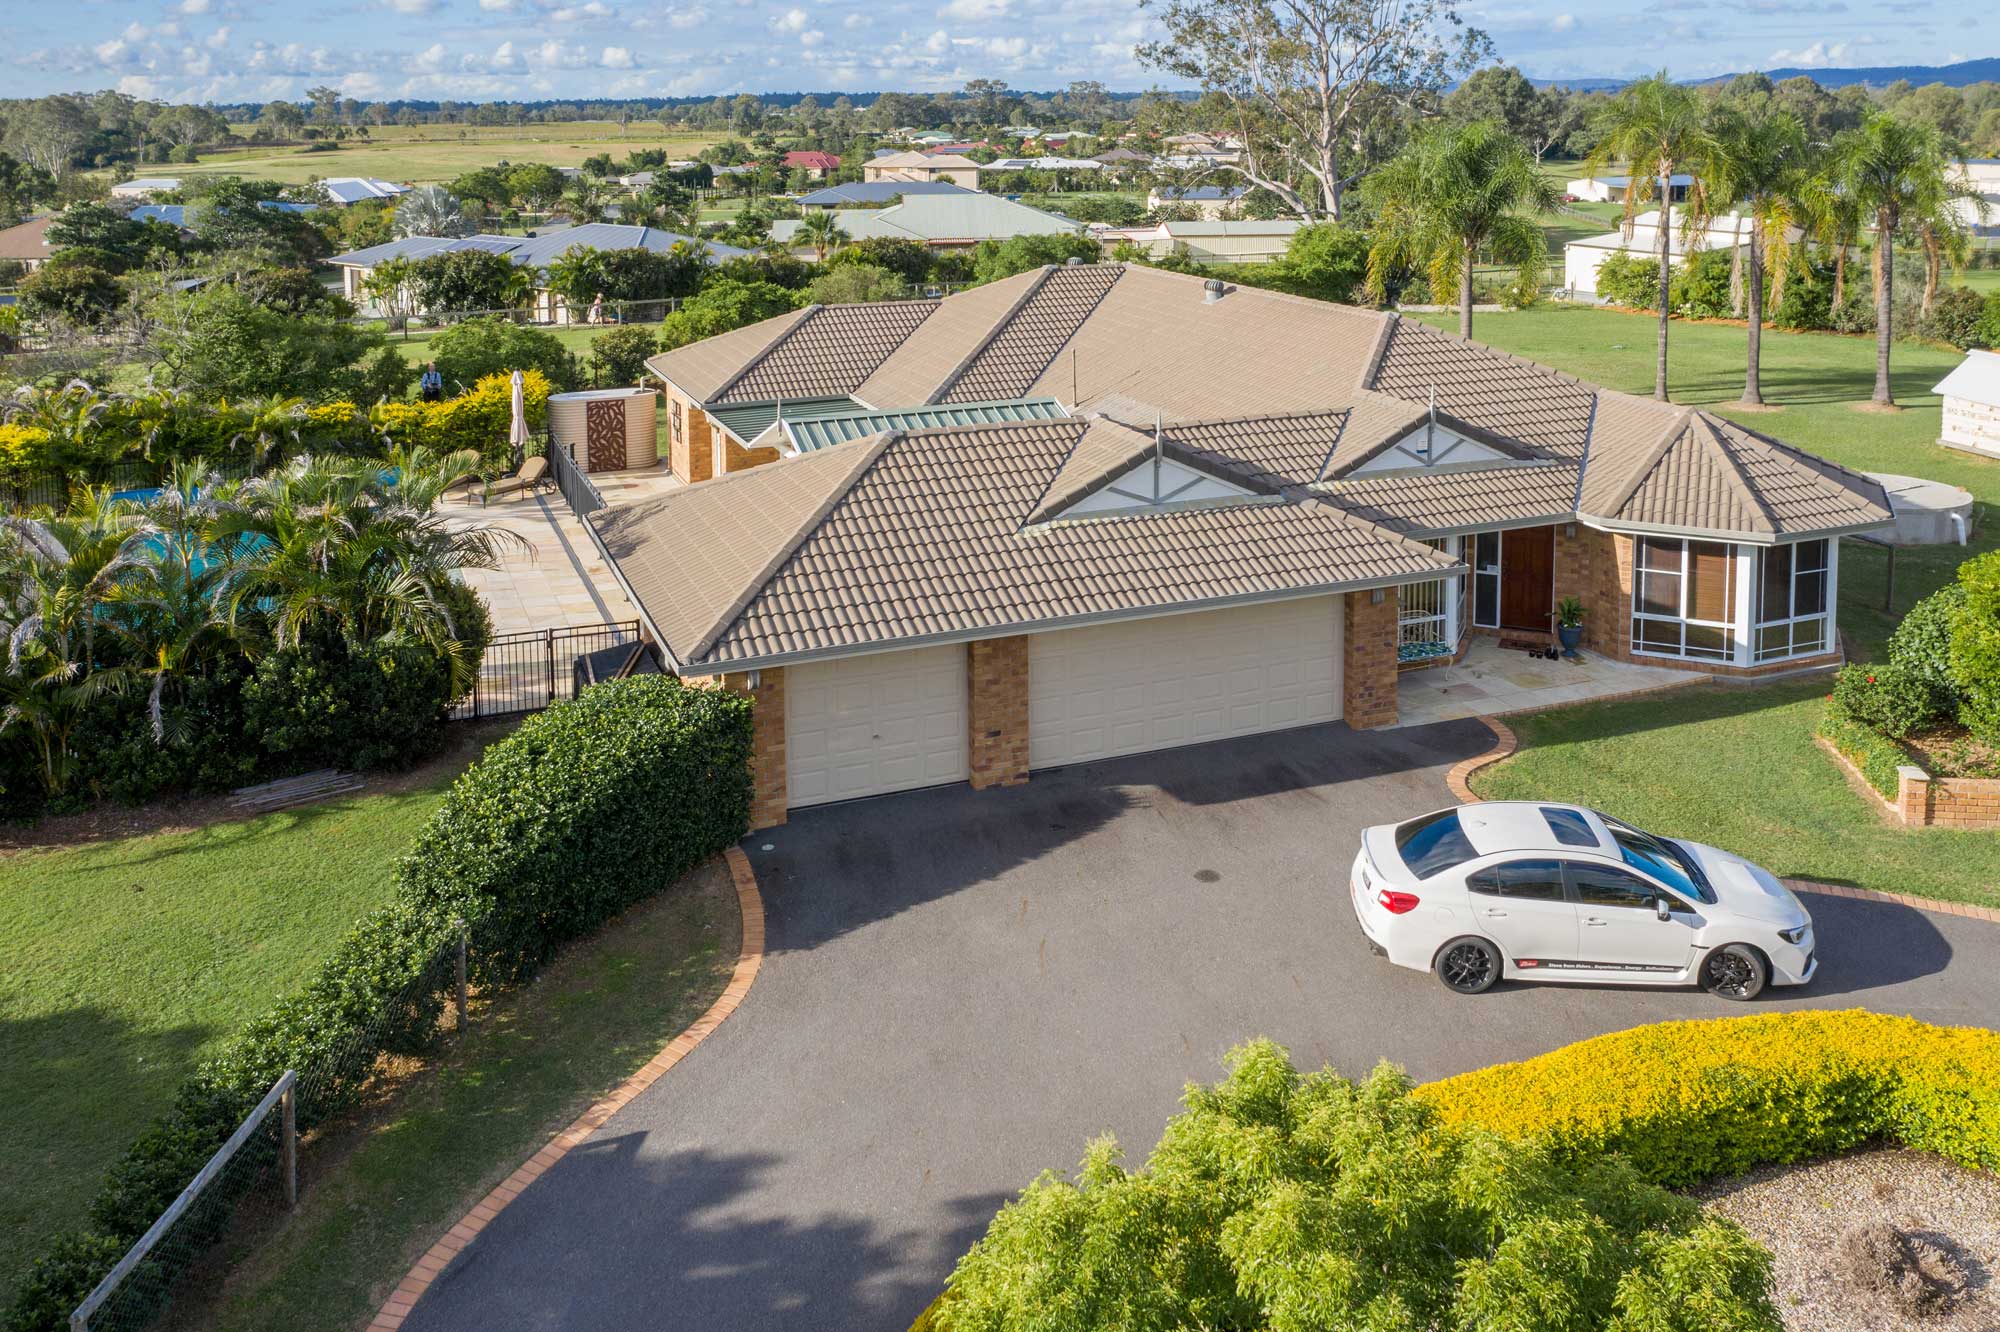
x=1684, y=598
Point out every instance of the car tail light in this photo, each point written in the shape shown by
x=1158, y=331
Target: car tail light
x=1396, y=903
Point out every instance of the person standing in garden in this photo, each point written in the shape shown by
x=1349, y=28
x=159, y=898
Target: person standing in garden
x=431, y=384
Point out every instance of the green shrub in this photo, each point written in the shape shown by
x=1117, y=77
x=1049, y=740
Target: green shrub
x=326, y=702
x=1886, y=697
x=1921, y=646
x=1958, y=318
x=1688, y=1101
x=1989, y=320
x=585, y=809
x=204, y=748
x=1875, y=755
x=1975, y=647
x=1701, y=286
x=1626, y=279
x=470, y=351
x=1294, y=1202
x=621, y=353
x=1807, y=303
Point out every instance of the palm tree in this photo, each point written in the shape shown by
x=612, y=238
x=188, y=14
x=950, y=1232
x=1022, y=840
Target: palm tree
x=1658, y=127
x=431, y=210
x=1455, y=191
x=1898, y=173
x=822, y=230
x=1760, y=167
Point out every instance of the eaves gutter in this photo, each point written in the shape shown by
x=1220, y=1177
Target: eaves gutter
x=1453, y=569
x=659, y=640
x=1739, y=538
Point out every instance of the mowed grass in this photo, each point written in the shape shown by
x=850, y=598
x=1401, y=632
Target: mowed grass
x=1684, y=762
x=123, y=963
x=419, y=154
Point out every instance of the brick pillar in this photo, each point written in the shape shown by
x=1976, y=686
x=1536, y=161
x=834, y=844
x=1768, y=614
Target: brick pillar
x=1368, y=652
x=1574, y=557
x=996, y=671
x=769, y=798
x=1913, y=795
x=1607, y=629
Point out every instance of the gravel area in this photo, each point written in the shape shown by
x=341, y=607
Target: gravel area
x=1878, y=1241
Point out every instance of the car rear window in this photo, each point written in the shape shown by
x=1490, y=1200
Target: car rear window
x=1569, y=826
x=1433, y=843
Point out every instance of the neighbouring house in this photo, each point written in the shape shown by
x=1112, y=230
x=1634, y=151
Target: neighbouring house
x=1980, y=175
x=145, y=187
x=1102, y=509
x=357, y=189
x=27, y=244
x=1583, y=257
x=1045, y=164
x=818, y=165
x=1612, y=189
x=1225, y=242
x=876, y=194
x=1210, y=202
x=536, y=252
x=950, y=167
x=1123, y=162
x=1971, y=396
x=942, y=221
x=175, y=215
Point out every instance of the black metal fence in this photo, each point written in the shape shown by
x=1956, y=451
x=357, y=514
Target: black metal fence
x=527, y=671
x=577, y=490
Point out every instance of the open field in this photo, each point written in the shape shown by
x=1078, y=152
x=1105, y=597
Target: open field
x=416, y=154
x=124, y=962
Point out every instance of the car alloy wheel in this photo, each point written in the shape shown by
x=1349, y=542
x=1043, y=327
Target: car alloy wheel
x=1468, y=966
x=1734, y=972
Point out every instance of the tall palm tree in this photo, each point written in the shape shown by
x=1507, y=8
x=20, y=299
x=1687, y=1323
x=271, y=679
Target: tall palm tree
x=1455, y=191
x=1658, y=127
x=822, y=230
x=431, y=210
x=1898, y=173
x=1760, y=167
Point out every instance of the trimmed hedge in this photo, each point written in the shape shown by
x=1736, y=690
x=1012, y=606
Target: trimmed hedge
x=1688, y=1101
x=1874, y=754
x=584, y=810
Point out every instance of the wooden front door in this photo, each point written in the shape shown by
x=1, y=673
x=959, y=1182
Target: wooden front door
x=1527, y=579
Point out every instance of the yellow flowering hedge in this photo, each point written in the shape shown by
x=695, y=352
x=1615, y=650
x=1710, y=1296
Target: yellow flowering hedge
x=476, y=419
x=1688, y=1101
x=23, y=448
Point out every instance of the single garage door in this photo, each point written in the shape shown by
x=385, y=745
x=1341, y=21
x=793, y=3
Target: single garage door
x=1137, y=685
x=865, y=725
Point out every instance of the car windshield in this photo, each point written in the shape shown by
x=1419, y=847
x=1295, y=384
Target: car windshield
x=1433, y=843
x=1661, y=857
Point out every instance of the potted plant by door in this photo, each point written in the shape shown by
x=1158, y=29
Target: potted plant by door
x=1569, y=625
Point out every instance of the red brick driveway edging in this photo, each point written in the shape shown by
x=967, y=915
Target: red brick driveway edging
x=1505, y=742
x=749, y=957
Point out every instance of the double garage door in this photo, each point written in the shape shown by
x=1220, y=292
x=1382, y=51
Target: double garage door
x=894, y=721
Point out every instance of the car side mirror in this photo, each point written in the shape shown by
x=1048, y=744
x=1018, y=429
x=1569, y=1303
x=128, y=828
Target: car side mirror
x=1662, y=909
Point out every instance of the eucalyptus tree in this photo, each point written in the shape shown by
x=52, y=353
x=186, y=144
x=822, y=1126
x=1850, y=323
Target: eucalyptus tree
x=1457, y=191
x=1658, y=128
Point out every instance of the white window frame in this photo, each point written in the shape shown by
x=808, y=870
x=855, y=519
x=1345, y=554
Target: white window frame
x=1480, y=571
x=1732, y=628
x=1791, y=620
x=1447, y=618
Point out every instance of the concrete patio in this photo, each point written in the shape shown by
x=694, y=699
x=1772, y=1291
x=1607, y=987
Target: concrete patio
x=1492, y=681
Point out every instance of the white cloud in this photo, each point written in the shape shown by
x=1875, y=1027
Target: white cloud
x=811, y=37
x=591, y=9
x=617, y=57
x=1563, y=23
x=429, y=60
x=792, y=20
x=1818, y=54
x=194, y=6
x=855, y=20
x=498, y=6
x=974, y=11
x=411, y=6
x=938, y=42
x=111, y=52
x=687, y=18
x=219, y=38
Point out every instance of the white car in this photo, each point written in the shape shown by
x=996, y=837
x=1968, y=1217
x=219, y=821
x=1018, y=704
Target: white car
x=1562, y=893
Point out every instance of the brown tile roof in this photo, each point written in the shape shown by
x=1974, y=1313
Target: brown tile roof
x=1628, y=435
x=701, y=369
x=1449, y=500
x=1800, y=491
x=1020, y=349
x=1500, y=393
x=27, y=241
x=1722, y=477
x=830, y=352
x=1694, y=483
x=913, y=372
x=925, y=535
x=1275, y=450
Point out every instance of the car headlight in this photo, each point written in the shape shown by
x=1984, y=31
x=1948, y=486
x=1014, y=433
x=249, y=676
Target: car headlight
x=1796, y=933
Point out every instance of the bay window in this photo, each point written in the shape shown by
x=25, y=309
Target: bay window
x=1792, y=601
x=1684, y=598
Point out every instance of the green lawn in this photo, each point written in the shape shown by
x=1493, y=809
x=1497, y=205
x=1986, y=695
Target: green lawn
x=1681, y=762
x=378, y=1193
x=410, y=155
x=124, y=962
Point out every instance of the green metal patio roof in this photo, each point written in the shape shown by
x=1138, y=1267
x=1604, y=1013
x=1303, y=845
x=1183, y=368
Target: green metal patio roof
x=808, y=433
x=750, y=420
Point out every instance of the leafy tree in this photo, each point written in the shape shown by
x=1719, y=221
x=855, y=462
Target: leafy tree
x=218, y=343
x=430, y=210
x=995, y=259
x=852, y=284
x=185, y=125
x=49, y=133
x=577, y=275
x=20, y=187
x=489, y=185
x=1658, y=127
x=1303, y=1202
x=637, y=274
x=620, y=354
x=283, y=117
x=1975, y=646
x=535, y=185
x=462, y=280
x=908, y=259
x=821, y=229
x=1327, y=261
x=1760, y=166
x=76, y=286
x=467, y=352
x=1458, y=190
x=232, y=216
x=1301, y=81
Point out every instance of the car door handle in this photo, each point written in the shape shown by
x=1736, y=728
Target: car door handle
x=1496, y=915
x=1595, y=920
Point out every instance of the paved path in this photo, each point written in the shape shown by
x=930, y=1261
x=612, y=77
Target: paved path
x=962, y=988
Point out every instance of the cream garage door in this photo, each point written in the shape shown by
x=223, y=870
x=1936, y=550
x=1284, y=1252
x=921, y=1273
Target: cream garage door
x=1137, y=685
x=861, y=726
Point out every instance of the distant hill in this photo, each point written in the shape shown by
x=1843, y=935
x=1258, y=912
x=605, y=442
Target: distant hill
x=1956, y=76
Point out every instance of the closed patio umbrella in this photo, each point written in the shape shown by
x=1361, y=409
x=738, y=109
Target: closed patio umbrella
x=517, y=433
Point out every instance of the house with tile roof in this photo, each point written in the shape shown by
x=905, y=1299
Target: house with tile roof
x=1229, y=241
x=952, y=167
x=953, y=221
x=27, y=243
x=1102, y=509
x=816, y=164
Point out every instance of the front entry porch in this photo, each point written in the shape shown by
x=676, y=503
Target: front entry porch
x=1492, y=681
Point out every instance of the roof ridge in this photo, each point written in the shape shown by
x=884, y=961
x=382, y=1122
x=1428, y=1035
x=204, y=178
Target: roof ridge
x=1487, y=347
x=1583, y=459
x=1733, y=473
x=1048, y=497
x=1205, y=421
x=742, y=372
x=960, y=370
x=1668, y=438
x=1795, y=454
x=1371, y=368
x=867, y=452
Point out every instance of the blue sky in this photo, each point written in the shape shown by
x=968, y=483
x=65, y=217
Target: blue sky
x=230, y=50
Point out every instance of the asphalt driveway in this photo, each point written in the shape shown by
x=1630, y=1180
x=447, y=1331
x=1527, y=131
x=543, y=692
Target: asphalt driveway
x=962, y=988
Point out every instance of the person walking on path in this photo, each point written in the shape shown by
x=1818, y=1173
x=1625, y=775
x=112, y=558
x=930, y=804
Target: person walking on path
x=431, y=383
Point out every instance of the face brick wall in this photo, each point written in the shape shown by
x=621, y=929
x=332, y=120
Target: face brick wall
x=769, y=794
x=1368, y=649
x=691, y=439
x=997, y=715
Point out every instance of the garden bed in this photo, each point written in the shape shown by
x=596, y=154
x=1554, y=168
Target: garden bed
x=1941, y=778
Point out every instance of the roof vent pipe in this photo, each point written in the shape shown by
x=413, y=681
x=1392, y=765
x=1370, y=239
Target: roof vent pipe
x=1211, y=291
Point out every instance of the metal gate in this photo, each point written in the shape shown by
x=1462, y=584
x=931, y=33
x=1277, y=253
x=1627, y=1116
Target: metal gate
x=525, y=672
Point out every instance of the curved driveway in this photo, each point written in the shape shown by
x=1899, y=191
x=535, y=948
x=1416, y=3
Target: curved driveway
x=961, y=988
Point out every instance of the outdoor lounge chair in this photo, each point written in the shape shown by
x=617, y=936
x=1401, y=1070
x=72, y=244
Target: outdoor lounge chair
x=533, y=476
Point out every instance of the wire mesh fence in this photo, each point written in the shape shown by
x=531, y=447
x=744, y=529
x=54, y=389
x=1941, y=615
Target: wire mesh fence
x=252, y=1182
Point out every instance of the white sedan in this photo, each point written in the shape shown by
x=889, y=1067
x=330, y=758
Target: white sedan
x=1559, y=892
